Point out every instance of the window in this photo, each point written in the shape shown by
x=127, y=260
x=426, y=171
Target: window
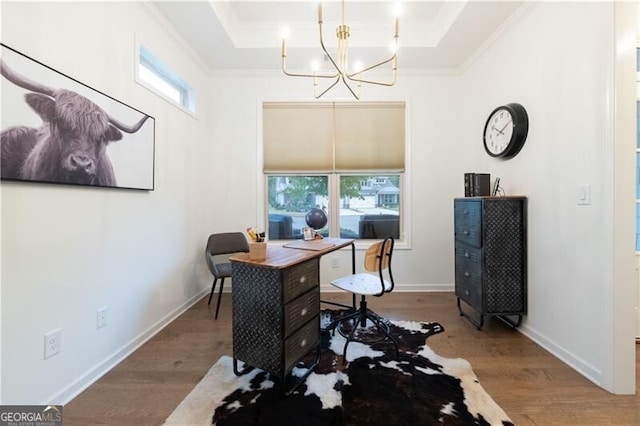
x=157, y=76
x=346, y=159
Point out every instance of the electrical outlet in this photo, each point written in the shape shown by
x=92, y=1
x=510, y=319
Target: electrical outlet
x=101, y=317
x=334, y=262
x=52, y=343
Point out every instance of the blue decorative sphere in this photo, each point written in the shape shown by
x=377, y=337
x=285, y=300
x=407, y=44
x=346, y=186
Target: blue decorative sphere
x=316, y=219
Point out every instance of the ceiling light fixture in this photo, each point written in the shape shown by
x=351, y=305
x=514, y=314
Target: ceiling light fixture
x=341, y=64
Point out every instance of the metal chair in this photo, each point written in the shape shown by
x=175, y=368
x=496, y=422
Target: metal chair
x=377, y=259
x=225, y=243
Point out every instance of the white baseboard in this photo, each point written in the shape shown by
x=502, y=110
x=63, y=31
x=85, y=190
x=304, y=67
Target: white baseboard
x=573, y=361
x=90, y=377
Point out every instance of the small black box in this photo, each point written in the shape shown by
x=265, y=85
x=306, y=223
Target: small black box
x=482, y=185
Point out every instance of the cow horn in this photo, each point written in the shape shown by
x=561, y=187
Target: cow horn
x=23, y=82
x=128, y=129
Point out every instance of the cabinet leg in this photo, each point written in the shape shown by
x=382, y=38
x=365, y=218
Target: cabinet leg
x=509, y=321
x=245, y=369
x=478, y=324
x=288, y=390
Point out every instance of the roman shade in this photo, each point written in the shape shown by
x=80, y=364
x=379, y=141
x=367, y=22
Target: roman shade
x=326, y=137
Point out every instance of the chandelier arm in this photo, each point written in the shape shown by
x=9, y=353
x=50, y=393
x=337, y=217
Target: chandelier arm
x=377, y=83
x=354, y=74
x=327, y=89
x=326, y=52
x=349, y=87
x=293, y=74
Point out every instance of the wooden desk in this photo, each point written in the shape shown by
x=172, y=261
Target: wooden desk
x=276, y=305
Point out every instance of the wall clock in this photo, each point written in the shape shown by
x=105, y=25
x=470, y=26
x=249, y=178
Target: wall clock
x=506, y=131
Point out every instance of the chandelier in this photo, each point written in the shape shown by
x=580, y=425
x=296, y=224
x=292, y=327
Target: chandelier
x=340, y=62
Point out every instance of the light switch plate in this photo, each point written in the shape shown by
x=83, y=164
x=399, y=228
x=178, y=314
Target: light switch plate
x=583, y=194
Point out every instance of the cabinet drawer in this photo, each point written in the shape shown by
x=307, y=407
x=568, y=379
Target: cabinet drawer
x=469, y=283
x=301, y=342
x=467, y=219
x=300, y=310
x=469, y=254
x=300, y=278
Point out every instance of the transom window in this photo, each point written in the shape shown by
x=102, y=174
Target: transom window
x=161, y=79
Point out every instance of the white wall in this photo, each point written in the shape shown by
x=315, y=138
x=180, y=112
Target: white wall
x=67, y=251
x=557, y=60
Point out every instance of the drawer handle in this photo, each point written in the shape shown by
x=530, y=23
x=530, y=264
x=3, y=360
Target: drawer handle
x=466, y=274
x=303, y=312
x=465, y=232
x=466, y=292
x=303, y=343
x=303, y=279
x=466, y=254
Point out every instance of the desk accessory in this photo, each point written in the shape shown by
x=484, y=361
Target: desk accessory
x=316, y=220
x=257, y=246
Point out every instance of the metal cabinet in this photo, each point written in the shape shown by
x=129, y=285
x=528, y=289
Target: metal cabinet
x=275, y=314
x=491, y=257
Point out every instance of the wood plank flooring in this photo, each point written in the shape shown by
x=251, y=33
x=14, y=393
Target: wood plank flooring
x=531, y=385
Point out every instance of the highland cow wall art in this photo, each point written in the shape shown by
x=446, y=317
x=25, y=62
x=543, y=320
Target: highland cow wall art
x=55, y=129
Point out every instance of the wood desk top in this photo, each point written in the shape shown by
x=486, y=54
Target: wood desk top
x=279, y=257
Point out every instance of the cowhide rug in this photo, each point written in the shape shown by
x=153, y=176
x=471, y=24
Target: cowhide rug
x=372, y=388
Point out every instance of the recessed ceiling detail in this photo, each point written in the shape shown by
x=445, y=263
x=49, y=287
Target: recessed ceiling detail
x=238, y=34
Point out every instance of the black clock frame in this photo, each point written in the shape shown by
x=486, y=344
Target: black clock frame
x=520, y=130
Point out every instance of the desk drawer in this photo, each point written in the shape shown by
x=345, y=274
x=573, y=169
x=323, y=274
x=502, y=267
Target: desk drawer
x=300, y=278
x=300, y=310
x=301, y=342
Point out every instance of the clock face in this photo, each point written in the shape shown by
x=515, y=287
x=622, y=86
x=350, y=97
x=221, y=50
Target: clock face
x=498, y=132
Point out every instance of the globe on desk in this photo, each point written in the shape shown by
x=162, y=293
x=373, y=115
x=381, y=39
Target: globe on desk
x=316, y=219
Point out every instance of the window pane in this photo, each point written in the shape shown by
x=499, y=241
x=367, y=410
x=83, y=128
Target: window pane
x=370, y=206
x=290, y=198
x=156, y=81
x=161, y=78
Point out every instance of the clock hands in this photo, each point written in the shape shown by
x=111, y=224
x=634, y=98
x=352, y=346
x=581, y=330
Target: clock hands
x=503, y=127
x=501, y=131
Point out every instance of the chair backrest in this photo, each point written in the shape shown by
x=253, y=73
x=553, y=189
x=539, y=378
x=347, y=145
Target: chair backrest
x=227, y=243
x=378, y=258
x=224, y=243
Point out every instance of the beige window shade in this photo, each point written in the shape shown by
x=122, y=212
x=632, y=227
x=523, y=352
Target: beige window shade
x=333, y=136
x=297, y=137
x=369, y=136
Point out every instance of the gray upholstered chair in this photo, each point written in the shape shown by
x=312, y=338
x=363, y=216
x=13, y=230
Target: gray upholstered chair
x=377, y=259
x=220, y=244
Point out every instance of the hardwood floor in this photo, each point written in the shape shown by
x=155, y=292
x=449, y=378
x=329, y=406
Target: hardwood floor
x=532, y=386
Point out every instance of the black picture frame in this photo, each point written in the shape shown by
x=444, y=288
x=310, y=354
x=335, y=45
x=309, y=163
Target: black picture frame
x=58, y=130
